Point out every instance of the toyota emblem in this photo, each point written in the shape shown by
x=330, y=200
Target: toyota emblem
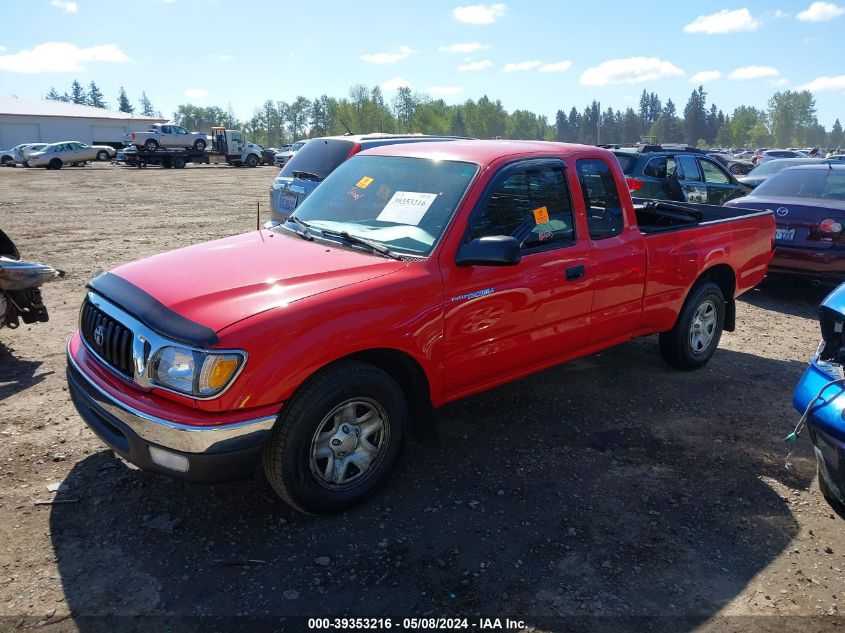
x=99, y=335
x=782, y=211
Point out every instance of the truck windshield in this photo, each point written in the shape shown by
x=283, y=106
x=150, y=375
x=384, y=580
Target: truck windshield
x=403, y=203
x=320, y=157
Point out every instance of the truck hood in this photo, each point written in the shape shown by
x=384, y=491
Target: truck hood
x=221, y=282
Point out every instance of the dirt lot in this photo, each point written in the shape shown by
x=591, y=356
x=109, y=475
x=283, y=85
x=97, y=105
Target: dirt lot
x=613, y=492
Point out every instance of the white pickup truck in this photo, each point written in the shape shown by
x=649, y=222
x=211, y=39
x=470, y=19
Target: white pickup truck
x=159, y=136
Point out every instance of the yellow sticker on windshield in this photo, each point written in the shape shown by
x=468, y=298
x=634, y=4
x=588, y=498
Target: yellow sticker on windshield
x=541, y=215
x=365, y=182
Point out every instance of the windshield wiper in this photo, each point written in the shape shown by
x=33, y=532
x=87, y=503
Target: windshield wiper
x=307, y=175
x=374, y=247
x=305, y=234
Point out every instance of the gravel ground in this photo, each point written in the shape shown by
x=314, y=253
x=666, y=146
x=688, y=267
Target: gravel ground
x=609, y=493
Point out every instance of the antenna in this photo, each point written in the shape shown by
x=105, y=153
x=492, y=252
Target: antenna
x=348, y=131
x=257, y=215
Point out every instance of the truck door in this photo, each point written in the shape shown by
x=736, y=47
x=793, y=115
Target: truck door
x=236, y=146
x=617, y=253
x=720, y=186
x=165, y=136
x=689, y=177
x=502, y=320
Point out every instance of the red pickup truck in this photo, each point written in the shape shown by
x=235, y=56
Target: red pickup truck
x=413, y=276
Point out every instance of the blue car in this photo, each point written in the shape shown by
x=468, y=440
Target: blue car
x=820, y=398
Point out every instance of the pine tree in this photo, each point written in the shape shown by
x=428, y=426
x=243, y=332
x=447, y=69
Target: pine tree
x=146, y=106
x=53, y=95
x=123, y=102
x=77, y=93
x=95, y=96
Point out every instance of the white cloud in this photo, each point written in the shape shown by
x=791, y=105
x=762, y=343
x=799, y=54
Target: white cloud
x=70, y=7
x=723, y=22
x=472, y=66
x=223, y=58
x=469, y=47
x=512, y=68
x=443, y=90
x=822, y=84
x=754, y=72
x=820, y=12
x=780, y=14
x=388, y=58
x=2, y=48
x=704, y=76
x=196, y=93
x=781, y=82
x=60, y=57
x=557, y=67
x=395, y=84
x=629, y=71
x=479, y=13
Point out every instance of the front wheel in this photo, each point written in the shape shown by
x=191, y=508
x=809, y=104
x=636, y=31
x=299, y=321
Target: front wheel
x=252, y=160
x=102, y=155
x=694, y=338
x=56, y=163
x=337, y=439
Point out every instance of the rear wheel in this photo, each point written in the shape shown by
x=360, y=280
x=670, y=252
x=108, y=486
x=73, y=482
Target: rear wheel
x=694, y=338
x=151, y=145
x=337, y=439
x=102, y=155
x=178, y=162
x=56, y=163
x=7, y=161
x=199, y=145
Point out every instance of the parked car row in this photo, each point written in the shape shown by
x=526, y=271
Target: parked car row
x=55, y=155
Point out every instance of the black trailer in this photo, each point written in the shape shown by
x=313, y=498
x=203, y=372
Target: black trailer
x=167, y=158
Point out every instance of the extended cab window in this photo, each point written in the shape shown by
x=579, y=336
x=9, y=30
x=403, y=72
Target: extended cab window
x=532, y=204
x=601, y=198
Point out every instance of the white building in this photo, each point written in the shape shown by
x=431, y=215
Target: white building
x=34, y=120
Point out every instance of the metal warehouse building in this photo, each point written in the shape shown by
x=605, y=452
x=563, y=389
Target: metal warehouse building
x=34, y=120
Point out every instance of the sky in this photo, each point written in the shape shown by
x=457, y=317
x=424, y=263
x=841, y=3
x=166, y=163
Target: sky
x=538, y=55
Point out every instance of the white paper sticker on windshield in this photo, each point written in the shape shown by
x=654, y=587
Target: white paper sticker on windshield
x=407, y=207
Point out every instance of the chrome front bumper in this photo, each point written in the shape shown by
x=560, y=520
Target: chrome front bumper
x=184, y=438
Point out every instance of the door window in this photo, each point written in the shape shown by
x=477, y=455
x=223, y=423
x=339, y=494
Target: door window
x=601, y=198
x=712, y=173
x=656, y=168
x=532, y=204
x=166, y=129
x=688, y=169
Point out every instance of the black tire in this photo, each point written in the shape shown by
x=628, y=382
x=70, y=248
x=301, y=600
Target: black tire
x=56, y=163
x=102, y=155
x=829, y=495
x=290, y=462
x=26, y=163
x=199, y=145
x=252, y=160
x=684, y=345
x=166, y=163
x=735, y=169
x=7, y=161
x=178, y=162
x=151, y=145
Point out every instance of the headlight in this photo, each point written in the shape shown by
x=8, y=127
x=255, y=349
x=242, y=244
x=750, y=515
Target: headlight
x=192, y=372
x=279, y=184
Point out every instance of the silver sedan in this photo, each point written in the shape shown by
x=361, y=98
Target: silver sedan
x=56, y=155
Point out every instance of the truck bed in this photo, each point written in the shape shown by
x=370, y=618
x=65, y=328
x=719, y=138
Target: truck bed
x=660, y=216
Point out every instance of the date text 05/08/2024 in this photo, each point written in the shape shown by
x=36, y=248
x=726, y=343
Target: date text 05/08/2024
x=416, y=624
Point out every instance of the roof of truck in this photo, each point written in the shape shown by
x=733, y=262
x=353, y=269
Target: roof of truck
x=482, y=152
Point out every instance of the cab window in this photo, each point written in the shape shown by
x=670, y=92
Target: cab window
x=531, y=204
x=601, y=198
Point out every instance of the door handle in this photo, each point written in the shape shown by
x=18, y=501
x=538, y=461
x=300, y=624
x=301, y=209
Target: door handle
x=574, y=273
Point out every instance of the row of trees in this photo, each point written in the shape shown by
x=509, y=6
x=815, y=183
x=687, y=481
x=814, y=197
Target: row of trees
x=788, y=120
x=93, y=96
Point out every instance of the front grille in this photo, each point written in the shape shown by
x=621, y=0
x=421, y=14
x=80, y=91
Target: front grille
x=115, y=346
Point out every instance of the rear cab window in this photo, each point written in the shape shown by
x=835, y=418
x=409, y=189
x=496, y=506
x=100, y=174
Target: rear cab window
x=601, y=198
x=319, y=157
x=627, y=162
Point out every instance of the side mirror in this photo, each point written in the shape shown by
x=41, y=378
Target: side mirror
x=493, y=250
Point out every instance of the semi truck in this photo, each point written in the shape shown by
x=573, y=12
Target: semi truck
x=227, y=146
